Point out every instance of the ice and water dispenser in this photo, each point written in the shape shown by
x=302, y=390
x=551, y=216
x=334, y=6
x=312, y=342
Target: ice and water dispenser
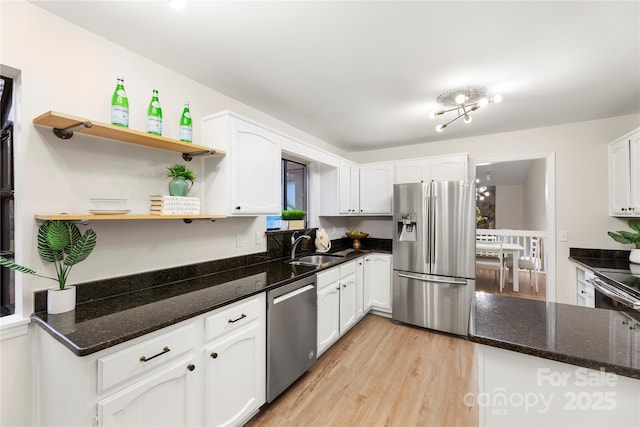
x=407, y=229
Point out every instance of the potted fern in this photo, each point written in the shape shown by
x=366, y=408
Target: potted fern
x=182, y=179
x=61, y=243
x=627, y=237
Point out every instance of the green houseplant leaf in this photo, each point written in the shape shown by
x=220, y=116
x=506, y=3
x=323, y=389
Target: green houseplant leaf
x=627, y=237
x=54, y=240
x=82, y=248
x=45, y=250
x=179, y=170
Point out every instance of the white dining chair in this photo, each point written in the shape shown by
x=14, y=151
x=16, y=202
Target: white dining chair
x=493, y=260
x=531, y=261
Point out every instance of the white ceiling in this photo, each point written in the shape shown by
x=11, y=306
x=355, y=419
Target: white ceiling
x=363, y=75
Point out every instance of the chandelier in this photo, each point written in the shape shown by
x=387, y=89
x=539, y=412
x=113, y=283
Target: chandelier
x=463, y=100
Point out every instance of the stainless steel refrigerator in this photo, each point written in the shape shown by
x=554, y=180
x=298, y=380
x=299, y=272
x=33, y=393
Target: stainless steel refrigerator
x=434, y=254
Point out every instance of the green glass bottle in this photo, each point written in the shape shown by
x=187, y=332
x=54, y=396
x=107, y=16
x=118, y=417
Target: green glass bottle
x=120, y=105
x=186, y=125
x=154, y=115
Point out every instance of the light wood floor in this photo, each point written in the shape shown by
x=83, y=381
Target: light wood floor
x=486, y=281
x=382, y=374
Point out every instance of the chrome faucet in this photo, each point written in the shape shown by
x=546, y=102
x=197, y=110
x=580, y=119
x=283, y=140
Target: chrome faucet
x=295, y=241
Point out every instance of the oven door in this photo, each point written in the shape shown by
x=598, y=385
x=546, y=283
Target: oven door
x=613, y=298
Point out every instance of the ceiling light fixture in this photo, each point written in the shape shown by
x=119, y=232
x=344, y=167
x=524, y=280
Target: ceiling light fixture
x=463, y=100
x=177, y=4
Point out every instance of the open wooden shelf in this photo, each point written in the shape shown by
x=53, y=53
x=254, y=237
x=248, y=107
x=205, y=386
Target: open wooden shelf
x=127, y=217
x=63, y=121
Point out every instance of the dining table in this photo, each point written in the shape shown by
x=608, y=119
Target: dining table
x=513, y=249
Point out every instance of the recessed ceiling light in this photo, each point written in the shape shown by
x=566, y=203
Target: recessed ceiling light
x=177, y=4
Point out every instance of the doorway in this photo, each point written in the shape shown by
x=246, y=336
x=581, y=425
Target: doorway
x=516, y=207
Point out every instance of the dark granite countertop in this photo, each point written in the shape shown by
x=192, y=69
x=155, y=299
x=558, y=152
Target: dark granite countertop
x=101, y=320
x=588, y=337
x=599, y=259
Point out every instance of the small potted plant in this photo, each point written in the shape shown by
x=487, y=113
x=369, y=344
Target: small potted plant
x=627, y=237
x=294, y=219
x=61, y=243
x=182, y=178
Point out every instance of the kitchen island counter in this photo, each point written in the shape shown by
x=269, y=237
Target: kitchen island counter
x=587, y=337
x=118, y=310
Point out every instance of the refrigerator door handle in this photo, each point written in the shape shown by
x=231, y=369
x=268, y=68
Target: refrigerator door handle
x=424, y=279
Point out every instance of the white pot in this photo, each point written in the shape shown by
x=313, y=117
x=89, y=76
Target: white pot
x=634, y=256
x=61, y=300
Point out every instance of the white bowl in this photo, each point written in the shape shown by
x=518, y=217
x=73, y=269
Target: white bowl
x=108, y=204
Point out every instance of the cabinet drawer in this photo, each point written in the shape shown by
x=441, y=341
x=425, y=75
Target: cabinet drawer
x=347, y=269
x=234, y=316
x=140, y=358
x=327, y=277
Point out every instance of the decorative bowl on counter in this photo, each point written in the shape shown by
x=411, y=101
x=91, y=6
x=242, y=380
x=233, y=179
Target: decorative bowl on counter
x=356, y=236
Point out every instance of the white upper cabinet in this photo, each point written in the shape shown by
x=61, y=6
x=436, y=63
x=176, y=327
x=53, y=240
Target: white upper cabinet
x=624, y=175
x=348, y=188
x=446, y=168
x=247, y=180
x=376, y=189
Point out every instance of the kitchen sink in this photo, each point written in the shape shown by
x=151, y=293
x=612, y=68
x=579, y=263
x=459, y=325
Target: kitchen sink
x=316, y=259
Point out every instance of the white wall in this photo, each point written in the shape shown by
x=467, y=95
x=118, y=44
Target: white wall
x=64, y=68
x=534, y=205
x=509, y=207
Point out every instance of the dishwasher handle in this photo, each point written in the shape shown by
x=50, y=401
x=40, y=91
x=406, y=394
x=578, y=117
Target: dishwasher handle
x=292, y=294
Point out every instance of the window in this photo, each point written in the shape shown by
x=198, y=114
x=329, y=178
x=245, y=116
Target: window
x=7, y=276
x=293, y=191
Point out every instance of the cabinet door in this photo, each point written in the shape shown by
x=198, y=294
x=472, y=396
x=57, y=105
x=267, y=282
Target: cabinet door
x=619, y=178
x=635, y=345
x=377, y=276
x=344, y=188
x=376, y=189
x=255, y=183
x=328, y=316
x=634, y=155
x=451, y=168
x=347, y=303
x=411, y=171
x=235, y=377
x=158, y=400
x=360, y=289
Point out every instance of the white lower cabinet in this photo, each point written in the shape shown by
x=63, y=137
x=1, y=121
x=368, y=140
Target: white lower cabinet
x=161, y=399
x=343, y=292
x=348, y=296
x=585, y=292
x=360, y=311
x=235, y=373
x=377, y=282
x=328, y=288
x=165, y=378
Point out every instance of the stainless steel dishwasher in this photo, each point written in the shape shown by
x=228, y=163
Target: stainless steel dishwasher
x=292, y=319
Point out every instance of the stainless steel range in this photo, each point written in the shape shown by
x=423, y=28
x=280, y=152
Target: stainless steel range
x=617, y=289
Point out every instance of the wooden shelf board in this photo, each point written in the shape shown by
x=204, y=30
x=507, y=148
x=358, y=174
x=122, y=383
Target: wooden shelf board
x=61, y=121
x=91, y=217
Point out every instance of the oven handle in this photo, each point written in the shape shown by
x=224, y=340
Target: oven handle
x=603, y=287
